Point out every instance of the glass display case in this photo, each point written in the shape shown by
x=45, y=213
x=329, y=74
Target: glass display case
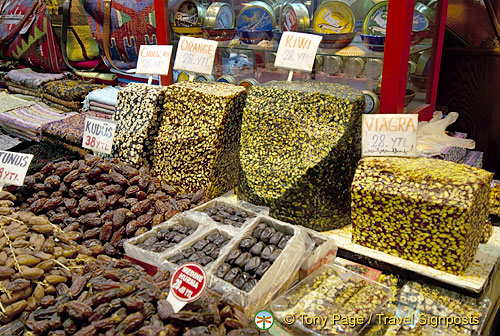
x=391, y=49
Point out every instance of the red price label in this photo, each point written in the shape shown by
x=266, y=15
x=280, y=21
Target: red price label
x=91, y=142
x=188, y=282
x=8, y=176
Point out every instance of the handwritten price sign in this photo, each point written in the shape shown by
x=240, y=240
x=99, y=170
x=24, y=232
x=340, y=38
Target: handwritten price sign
x=154, y=59
x=98, y=134
x=195, y=55
x=13, y=167
x=297, y=51
x=389, y=134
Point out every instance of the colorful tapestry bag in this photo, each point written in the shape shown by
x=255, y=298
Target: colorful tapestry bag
x=26, y=35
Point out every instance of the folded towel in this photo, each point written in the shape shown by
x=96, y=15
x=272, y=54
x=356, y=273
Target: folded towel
x=31, y=79
x=107, y=95
x=69, y=130
x=9, y=102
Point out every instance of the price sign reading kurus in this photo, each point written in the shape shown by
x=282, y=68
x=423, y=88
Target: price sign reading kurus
x=389, y=134
x=13, y=167
x=195, y=55
x=154, y=59
x=297, y=51
x=98, y=134
x=186, y=285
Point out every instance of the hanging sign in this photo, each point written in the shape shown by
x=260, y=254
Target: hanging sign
x=154, y=59
x=195, y=55
x=13, y=167
x=389, y=134
x=98, y=134
x=186, y=285
x=297, y=51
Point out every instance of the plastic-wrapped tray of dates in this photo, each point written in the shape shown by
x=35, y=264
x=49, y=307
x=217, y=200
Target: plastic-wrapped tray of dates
x=204, y=250
x=152, y=245
x=228, y=214
x=259, y=263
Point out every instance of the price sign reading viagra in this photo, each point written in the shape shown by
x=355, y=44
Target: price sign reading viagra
x=13, y=167
x=195, y=55
x=389, y=134
x=98, y=134
x=186, y=285
x=297, y=51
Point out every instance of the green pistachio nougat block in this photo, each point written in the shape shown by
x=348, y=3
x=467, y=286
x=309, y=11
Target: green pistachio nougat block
x=199, y=138
x=300, y=143
x=427, y=211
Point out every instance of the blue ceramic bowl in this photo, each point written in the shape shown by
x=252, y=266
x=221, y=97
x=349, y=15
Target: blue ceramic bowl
x=374, y=42
x=254, y=36
x=336, y=41
x=219, y=34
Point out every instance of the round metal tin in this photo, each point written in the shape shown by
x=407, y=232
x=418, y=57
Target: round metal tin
x=373, y=68
x=372, y=102
x=248, y=83
x=183, y=77
x=354, y=66
x=256, y=16
x=333, y=65
x=423, y=63
x=429, y=13
x=205, y=78
x=188, y=18
x=420, y=22
x=219, y=15
x=375, y=22
x=333, y=17
x=227, y=79
x=294, y=17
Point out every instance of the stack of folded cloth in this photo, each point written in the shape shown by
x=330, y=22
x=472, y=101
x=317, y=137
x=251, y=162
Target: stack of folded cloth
x=29, y=82
x=102, y=101
x=26, y=122
x=67, y=95
x=131, y=77
x=9, y=102
x=67, y=132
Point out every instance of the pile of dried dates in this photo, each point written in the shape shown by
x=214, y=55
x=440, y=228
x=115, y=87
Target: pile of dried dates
x=244, y=266
x=112, y=297
x=100, y=202
x=227, y=215
x=204, y=251
x=166, y=237
x=37, y=260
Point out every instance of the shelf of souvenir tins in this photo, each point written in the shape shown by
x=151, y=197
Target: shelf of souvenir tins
x=359, y=37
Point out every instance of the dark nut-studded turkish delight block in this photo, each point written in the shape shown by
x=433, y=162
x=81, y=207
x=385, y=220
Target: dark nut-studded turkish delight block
x=300, y=143
x=427, y=211
x=199, y=138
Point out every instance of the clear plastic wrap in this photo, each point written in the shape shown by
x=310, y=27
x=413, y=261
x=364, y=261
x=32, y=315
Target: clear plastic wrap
x=151, y=257
x=421, y=309
x=171, y=259
x=269, y=279
x=330, y=301
x=321, y=250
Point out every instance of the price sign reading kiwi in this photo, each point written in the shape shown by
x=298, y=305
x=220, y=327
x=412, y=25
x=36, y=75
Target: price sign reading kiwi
x=297, y=51
x=13, y=168
x=389, y=134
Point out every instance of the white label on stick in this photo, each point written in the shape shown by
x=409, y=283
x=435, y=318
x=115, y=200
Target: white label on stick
x=195, y=55
x=297, y=51
x=98, y=134
x=154, y=59
x=13, y=167
x=389, y=134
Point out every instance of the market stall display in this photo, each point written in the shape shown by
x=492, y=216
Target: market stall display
x=495, y=199
x=331, y=291
x=433, y=211
x=198, y=141
x=29, y=82
x=300, y=142
x=100, y=202
x=67, y=95
x=138, y=113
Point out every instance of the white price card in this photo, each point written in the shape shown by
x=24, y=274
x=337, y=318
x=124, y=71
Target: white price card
x=154, y=59
x=13, y=167
x=98, y=134
x=297, y=51
x=389, y=134
x=195, y=55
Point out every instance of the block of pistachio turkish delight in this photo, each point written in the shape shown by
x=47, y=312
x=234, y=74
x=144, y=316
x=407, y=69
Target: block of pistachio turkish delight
x=431, y=212
x=300, y=143
x=198, y=141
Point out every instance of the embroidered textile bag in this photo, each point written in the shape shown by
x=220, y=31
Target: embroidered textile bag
x=121, y=27
x=72, y=30
x=26, y=35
